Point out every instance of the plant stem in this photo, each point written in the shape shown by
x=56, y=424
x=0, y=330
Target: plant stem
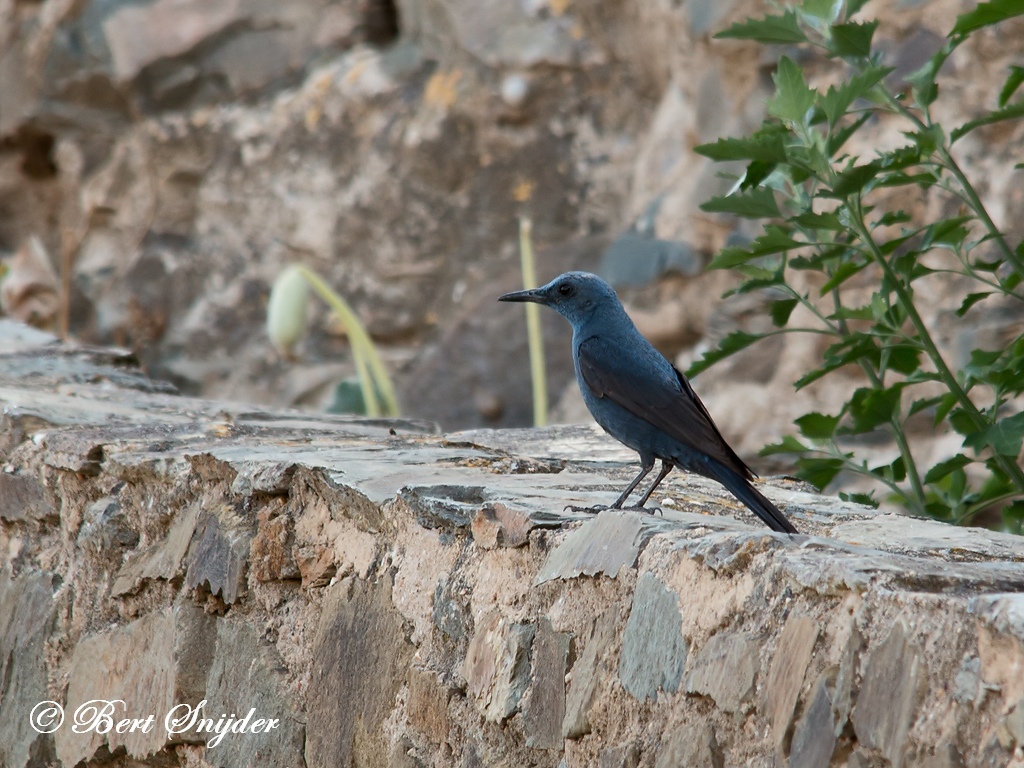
x=533, y=334
x=977, y=417
x=363, y=351
x=966, y=187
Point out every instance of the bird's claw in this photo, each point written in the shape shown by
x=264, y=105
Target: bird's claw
x=649, y=510
x=589, y=510
x=602, y=507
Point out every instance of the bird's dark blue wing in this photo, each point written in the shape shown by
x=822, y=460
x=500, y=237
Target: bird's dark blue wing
x=652, y=389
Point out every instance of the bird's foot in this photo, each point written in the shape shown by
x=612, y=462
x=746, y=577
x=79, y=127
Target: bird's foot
x=602, y=507
x=589, y=510
x=651, y=510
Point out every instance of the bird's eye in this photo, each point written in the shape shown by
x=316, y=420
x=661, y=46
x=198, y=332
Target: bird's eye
x=565, y=289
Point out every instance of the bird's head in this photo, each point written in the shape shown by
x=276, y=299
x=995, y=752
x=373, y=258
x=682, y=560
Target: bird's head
x=574, y=295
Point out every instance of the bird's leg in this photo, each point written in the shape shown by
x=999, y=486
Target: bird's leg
x=666, y=467
x=644, y=471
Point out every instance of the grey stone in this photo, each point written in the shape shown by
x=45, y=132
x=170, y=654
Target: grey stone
x=814, y=737
x=620, y=756
x=604, y=545
x=945, y=755
x=586, y=675
x=842, y=695
x=451, y=609
x=497, y=666
x=257, y=477
x=23, y=498
x=726, y=669
x=361, y=656
x=653, y=648
x=105, y=526
x=152, y=664
x=633, y=261
x=786, y=674
x=893, y=673
x=161, y=561
x=221, y=553
x=1014, y=722
x=693, y=746
x=500, y=34
x=248, y=674
x=444, y=507
x=544, y=707
x=967, y=683
x=27, y=611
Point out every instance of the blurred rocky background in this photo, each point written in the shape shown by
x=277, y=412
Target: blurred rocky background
x=169, y=157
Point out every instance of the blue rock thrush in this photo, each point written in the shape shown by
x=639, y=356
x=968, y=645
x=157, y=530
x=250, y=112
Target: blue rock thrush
x=639, y=398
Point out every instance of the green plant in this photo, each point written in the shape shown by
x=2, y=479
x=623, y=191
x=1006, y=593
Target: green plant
x=831, y=216
x=286, y=322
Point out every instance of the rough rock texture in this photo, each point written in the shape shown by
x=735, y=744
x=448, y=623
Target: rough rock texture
x=178, y=153
x=386, y=595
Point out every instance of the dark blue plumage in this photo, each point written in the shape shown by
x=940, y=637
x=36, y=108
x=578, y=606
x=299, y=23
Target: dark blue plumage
x=639, y=398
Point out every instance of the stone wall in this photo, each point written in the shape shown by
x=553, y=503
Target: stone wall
x=387, y=595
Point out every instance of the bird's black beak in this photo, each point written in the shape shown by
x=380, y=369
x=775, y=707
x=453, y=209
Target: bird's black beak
x=536, y=295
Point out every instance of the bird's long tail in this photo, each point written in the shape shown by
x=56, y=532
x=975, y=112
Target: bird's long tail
x=749, y=495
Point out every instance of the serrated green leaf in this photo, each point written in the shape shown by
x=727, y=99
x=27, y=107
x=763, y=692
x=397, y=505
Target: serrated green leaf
x=838, y=99
x=840, y=137
x=789, y=444
x=923, y=80
x=949, y=233
x=811, y=220
x=731, y=257
x=1004, y=437
x=843, y=272
x=901, y=358
x=781, y=310
x=731, y=344
x=768, y=29
x=893, y=217
x=945, y=405
x=923, y=404
x=961, y=421
x=819, y=472
x=943, y=468
x=766, y=146
x=970, y=301
x=1011, y=85
x=852, y=349
x=853, y=313
x=756, y=204
x=1011, y=112
x=817, y=426
x=985, y=15
x=757, y=171
x=870, y=408
x=927, y=140
x=854, y=179
x=852, y=38
x=793, y=98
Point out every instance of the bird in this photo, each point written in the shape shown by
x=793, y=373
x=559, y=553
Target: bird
x=638, y=397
